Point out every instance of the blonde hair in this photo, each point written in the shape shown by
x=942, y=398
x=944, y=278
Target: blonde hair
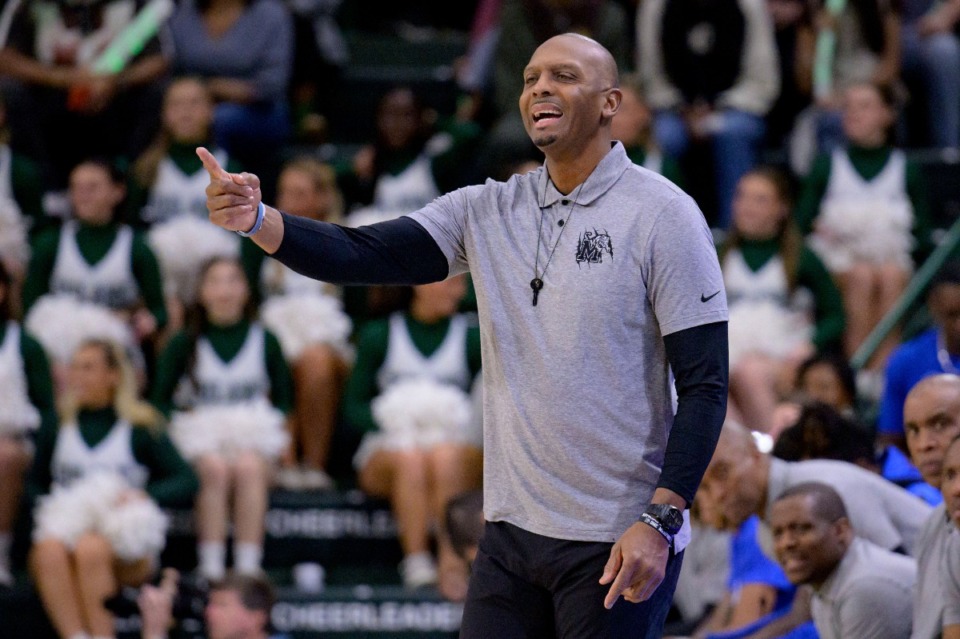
x=323, y=177
x=126, y=398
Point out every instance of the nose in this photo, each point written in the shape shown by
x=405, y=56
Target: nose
x=925, y=441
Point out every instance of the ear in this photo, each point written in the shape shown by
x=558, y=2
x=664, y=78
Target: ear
x=611, y=103
x=844, y=531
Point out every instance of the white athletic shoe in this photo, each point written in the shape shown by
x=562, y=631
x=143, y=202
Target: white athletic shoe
x=418, y=570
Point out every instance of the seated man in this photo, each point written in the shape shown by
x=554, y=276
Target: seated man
x=860, y=589
x=238, y=608
x=931, y=421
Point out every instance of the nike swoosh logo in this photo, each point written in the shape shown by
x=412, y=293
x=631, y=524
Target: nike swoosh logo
x=707, y=298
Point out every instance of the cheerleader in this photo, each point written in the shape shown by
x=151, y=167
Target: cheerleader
x=783, y=303
x=865, y=209
x=26, y=403
x=319, y=361
x=79, y=558
x=227, y=380
x=168, y=179
x=96, y=258
x=419, y=472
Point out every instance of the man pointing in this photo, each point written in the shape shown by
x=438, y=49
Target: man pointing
x=587, y=469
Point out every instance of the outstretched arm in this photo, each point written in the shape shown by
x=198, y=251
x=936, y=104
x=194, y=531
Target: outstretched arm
x=400, y=251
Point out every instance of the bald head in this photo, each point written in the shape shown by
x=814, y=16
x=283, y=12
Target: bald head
x=944, y=383
x=594, y=54
x=931, y=419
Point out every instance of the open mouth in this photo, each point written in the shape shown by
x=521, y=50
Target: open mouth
x=546, y=115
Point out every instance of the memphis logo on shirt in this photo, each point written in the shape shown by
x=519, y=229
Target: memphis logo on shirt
x=592, y=246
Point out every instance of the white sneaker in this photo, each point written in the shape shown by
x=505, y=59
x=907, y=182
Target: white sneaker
x=418, y=570
x=290, y=478
x=315, y=479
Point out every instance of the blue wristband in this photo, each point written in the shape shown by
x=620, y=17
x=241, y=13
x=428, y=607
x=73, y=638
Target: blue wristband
x=261, y=213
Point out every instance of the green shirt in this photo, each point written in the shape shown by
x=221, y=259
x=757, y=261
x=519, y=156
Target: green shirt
x=813, y=275
x=27, y=186
x=226, y=342
x=94, y=243
x=868, y=162
x=172, y=480
x=372, y=353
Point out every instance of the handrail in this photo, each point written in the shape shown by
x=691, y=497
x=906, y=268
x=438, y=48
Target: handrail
x=914, y=289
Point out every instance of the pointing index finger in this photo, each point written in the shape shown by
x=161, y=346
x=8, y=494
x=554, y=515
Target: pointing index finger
x=210, y=163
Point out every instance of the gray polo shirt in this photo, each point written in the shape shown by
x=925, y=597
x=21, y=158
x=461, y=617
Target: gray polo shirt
x=879, y=510
x=577, y=404
x=868, y=596
x=937, y=553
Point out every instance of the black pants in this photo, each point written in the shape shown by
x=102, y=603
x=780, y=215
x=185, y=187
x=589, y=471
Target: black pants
x=526, y=586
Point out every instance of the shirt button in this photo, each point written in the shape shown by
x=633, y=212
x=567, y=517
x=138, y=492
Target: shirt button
x=565, y=202
x=559, y=222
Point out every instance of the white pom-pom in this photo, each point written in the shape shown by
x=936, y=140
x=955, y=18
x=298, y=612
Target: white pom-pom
x=17, y=414
x=59, y=516
x=422, y=413
x=371, y=215
x=61, y=322
x=301, y=320
x=228, y=430
x=14, y=246
x=765, y=327
x=71, y=511
x=195, y=434
x=182, y=245
x=135, y=529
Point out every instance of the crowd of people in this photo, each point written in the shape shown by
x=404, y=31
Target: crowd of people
x=152, y=356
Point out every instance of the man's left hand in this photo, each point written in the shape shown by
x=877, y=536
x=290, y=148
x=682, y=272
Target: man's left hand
x=637, y=565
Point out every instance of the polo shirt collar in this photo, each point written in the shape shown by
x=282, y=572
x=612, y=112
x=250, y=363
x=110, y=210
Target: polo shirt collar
x=606, y=173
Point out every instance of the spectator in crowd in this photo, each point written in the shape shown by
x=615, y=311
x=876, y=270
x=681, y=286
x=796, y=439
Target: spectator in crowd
x=164, y=181
x=29, y=406
x=851, y=43
x=97, y=258
x=931, y=56
x=320, y=54
x=860, y=589
x=708, y=74
x=104, y=427
x=524, y=24
x=742, y=481
x=824, y=378
x=413, y=159
x=951, y=570
x=244, y=50
x=757, y=590
x=936, y=350
x=239, y=608
x=419, y=472
x=56, y=93
x=823, y=433
x=783, y=303
x=228, y=378
x=21, y=182
x=931, y=420
x=633, y=126
x=792, y=21
x=307, y=188
x=865, y=209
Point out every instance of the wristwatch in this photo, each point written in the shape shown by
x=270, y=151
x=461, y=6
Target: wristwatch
x=664, y=518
